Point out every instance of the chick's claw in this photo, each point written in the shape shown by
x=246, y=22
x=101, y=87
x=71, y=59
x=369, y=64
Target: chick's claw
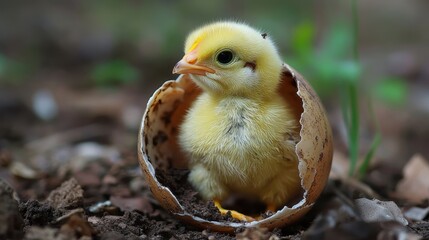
x=234, y=214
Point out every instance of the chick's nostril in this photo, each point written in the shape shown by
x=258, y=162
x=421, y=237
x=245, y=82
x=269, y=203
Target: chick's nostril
x=175, y=68
x=190, y=59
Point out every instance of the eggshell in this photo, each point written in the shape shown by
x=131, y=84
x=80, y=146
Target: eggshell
x=158, y=147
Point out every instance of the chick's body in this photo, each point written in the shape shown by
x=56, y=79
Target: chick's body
x=238, y=132
x=239, y=146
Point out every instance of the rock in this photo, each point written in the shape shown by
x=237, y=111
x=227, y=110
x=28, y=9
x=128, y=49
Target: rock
x=68, y=196
x=11, y=223
x=22, y=170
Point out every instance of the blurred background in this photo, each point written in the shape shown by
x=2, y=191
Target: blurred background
x=75, y=76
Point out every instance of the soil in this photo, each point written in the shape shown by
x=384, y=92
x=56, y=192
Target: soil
x=176, y=181
x=46, y=218
x=63, y=215
x=84, y=182
x=80, y=179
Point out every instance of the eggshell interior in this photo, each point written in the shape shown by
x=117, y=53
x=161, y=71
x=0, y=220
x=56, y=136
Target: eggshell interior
x=158, y=147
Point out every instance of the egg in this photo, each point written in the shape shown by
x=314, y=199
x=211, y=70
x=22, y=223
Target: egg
x=158, y=147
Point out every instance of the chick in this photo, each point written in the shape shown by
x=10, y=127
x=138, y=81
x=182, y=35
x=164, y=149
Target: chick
x=237, y=133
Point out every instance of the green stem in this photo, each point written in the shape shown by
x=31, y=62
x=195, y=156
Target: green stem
x=353, y=128
x=355, y=29
x=353, y=101
x=375, y=142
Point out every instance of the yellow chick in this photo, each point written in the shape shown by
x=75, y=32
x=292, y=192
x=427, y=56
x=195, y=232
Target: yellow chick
x=237, y=133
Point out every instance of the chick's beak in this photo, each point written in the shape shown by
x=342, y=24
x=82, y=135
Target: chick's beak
x=188, y=66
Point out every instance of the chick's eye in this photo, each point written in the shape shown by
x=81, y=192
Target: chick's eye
x=225, y=57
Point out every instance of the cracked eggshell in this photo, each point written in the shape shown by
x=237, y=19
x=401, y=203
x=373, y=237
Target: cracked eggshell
x=158, y=147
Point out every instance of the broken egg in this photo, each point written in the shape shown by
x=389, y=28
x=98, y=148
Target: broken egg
x=158, y=147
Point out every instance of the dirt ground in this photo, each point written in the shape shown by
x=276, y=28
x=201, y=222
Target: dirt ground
x=83, y=181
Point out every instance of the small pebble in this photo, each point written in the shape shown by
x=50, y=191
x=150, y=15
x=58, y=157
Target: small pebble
x=44, y=105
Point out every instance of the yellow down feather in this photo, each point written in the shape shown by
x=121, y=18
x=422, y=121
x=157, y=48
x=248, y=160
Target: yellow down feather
x=237, y=133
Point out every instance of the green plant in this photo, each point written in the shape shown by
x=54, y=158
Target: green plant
x=3, y=63
x=14, y=72
x=391, y=90
x=332, y=71
x=352, y=111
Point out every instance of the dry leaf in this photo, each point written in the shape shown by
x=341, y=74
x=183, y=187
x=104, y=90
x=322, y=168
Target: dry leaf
x=416, y=213
x=379, y=211
x=360, y=230
x=414, y=187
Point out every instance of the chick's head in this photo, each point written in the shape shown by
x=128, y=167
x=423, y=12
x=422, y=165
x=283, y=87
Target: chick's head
x=231, y=58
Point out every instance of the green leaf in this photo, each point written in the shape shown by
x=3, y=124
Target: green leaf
x=327, y=70
x=349, y=71
x=393, y=91
x=3, y=63
x=14, y=72
x=337, y=43
x=114, y=72
x=375, y=142
x=302, y=41
x=370, y=154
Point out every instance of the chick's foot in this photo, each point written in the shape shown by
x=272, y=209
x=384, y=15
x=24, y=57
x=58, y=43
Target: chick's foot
x=234, y=214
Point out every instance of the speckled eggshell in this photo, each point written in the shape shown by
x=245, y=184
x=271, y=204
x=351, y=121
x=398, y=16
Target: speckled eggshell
x=158, y=147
